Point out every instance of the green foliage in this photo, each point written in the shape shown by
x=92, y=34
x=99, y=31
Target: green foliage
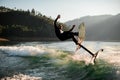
x=20, y=23
x=4, y=9
x=17, y=23
x=33, y=11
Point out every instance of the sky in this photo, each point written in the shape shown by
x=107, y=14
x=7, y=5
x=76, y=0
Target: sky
x=68, y=9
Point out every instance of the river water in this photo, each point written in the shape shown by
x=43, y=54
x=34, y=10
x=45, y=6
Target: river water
x=16, y=61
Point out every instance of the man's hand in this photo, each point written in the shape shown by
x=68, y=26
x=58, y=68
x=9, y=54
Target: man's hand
x=73, y=26
x=58, y=16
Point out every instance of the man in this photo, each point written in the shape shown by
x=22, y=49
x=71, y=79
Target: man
x=64, y=35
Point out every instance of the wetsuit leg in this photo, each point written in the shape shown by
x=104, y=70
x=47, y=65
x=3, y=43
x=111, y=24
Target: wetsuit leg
x=75, y=33
x=75, y=41
x=68, y=35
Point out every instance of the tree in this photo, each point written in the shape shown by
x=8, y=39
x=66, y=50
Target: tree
x=33, y=11
x=28, y=11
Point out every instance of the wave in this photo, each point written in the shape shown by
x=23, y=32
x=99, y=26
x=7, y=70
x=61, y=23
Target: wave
x=59, y=64
x=22, y=77
x=23, y=50
x=111, y=53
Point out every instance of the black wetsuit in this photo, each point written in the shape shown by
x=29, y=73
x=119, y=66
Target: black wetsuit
x=66, y=34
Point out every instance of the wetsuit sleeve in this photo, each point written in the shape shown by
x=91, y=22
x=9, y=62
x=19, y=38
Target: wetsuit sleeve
x=57, y=31
x=55, y=22
x=71, y=28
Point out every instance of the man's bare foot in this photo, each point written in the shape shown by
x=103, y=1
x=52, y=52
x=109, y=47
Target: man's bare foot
x=78, y=47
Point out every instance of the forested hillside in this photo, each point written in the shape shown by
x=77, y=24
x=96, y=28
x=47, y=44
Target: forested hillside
x=20, y=24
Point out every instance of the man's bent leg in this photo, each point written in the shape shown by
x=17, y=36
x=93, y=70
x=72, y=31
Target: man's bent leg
x=75, y=33
x=75, y=41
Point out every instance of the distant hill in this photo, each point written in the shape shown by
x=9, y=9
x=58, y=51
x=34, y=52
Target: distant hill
x=20, y=24
x=103, y=27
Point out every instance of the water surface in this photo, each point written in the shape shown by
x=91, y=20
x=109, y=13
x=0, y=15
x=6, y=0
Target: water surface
x=40, y=60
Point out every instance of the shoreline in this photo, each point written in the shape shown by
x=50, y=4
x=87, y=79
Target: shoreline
x=43, y=39
x=26, y=39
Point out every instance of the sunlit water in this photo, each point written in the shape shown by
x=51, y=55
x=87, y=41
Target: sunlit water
x=10, y=56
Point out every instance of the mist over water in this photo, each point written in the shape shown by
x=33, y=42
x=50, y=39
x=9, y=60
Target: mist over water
x=25, y=57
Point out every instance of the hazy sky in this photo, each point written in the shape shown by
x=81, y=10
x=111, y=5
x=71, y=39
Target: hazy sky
x=69, y=9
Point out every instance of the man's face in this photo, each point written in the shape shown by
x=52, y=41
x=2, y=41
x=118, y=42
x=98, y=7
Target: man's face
x=61, y=27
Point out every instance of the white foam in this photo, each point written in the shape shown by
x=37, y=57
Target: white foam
x=22, y=77
x=23, y=50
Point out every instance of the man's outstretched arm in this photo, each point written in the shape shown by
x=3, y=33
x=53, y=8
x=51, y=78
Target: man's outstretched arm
x=55, y=22
x=72, y=28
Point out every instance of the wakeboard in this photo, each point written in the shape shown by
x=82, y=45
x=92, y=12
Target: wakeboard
x=81, y=37
x=81, y=32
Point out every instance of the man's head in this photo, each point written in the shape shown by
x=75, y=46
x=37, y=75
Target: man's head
x=60, y=26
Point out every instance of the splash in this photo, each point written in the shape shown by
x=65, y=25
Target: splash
x=83, y=57
x=110, y=54
x=23, y=50
x=22, y=77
